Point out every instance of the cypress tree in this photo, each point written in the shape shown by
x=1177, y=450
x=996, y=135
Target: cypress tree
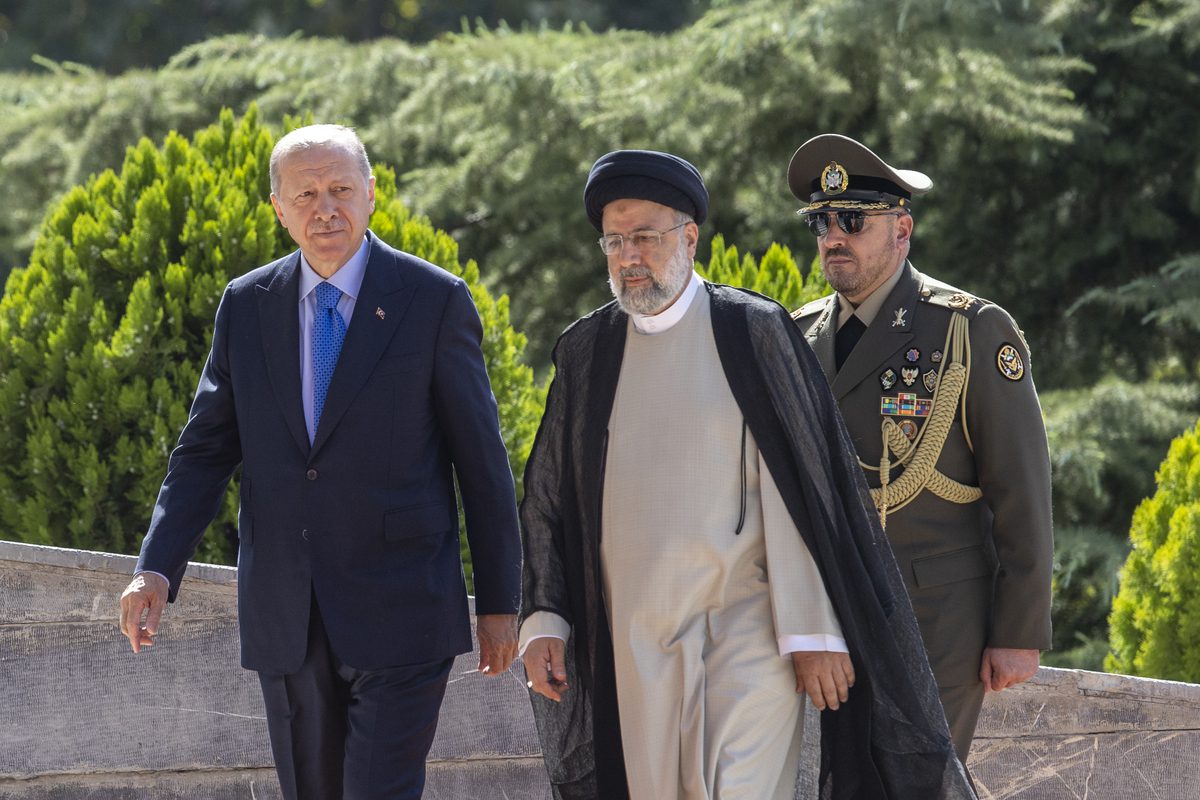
x=777, y=275
x=1155, y=621
x=104, y=333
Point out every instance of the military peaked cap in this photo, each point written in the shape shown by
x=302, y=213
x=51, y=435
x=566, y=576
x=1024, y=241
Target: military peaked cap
x=832, y=171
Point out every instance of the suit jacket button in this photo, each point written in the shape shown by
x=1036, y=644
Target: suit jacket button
x=304, y=534
x=311, y=474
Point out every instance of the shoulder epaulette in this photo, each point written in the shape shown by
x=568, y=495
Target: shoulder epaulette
x=811, y=308
x=941, y=294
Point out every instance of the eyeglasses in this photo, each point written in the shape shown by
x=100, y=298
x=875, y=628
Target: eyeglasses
x=645, y=241
x=850, y=221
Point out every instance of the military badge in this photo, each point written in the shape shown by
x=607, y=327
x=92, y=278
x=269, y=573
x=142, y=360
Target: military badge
x=909, y=428
x=899, y=322
x=930, y=379
x=834, y=179
x=913, y=355
x=887, y=378
x=1009, y=362
x=909, y=375
x=936, y=356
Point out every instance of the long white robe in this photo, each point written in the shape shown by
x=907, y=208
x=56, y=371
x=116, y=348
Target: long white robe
x=708, y=705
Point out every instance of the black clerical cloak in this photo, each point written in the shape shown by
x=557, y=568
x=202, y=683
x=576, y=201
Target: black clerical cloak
x=890, y=740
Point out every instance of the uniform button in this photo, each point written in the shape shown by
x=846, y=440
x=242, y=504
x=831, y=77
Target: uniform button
x=304, y=534
x=312, y=474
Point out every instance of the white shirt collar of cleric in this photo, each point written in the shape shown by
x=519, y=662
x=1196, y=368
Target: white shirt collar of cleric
x=348, y=278
x=669, y=316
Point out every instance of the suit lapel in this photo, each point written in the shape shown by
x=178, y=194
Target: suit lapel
x=888, y=333
x=279, y=325
x=383, y=290
x=820, y=337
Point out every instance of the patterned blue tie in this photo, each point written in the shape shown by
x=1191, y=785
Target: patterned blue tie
x=329, y=329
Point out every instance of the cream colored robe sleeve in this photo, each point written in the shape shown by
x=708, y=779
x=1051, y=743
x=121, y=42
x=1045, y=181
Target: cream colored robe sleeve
x=804, y=617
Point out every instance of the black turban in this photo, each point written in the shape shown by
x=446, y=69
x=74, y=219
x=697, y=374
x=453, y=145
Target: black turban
x=644, y=175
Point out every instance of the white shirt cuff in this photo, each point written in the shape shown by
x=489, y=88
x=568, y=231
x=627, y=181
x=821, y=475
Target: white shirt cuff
x=811, y=641
x=152, y=572
x=540, y=625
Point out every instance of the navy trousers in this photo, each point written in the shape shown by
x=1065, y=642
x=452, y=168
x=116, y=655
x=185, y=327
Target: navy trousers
x=339, y=733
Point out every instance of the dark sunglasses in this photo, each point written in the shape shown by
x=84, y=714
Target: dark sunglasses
x=849, y=220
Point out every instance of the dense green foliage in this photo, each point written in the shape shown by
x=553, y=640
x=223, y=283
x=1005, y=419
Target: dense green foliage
x=103, y=335
x=1058, y=134
x=1105, y=442
x=1155, y=619
x=777, y=275
x=115, y=35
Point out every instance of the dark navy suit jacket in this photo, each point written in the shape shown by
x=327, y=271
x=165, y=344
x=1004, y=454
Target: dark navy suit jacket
x=365, y=518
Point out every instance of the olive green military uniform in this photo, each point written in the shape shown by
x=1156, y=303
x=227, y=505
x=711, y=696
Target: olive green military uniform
x=967, y=508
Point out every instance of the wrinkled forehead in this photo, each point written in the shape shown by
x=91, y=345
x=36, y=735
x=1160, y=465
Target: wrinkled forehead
x=319, y=162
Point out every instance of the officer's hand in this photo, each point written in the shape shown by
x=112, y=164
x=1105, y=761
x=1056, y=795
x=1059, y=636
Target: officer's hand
x=145, y=594
x=826, y=677
x=1003, y=667
x=545, y=667
x=497, y=634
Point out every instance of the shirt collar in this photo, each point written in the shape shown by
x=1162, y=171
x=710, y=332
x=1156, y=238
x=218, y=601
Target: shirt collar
x=669, y=316
x=868, y=309
x=348, y=278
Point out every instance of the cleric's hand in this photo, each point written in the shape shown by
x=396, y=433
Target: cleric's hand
x=545, y=667
x=146, y=594
x=497, y=634
x=825, y=676
x=1003, y=667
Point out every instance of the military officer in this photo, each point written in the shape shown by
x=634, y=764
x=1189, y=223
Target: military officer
x=936, y=390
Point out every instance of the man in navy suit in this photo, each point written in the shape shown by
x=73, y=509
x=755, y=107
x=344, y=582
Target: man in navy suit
x=347, y=380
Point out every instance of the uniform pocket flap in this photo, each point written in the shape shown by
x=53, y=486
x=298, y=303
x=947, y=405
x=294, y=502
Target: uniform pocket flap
x=413, y=521
x=957, y=565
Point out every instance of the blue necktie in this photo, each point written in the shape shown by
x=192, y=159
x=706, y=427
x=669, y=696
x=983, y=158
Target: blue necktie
x=329, y=329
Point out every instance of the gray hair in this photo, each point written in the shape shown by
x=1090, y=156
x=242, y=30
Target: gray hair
x=318, y=136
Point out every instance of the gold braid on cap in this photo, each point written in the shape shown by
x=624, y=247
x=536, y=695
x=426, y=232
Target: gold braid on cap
x=858, y=204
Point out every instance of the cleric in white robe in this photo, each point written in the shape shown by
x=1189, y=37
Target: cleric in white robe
x=698, y=555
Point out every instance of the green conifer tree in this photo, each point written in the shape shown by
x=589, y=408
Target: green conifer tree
x=777, y=275
x=1155, y=621
x=104, y=333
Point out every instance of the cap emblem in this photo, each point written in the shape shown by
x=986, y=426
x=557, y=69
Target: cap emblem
x=834, y=179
